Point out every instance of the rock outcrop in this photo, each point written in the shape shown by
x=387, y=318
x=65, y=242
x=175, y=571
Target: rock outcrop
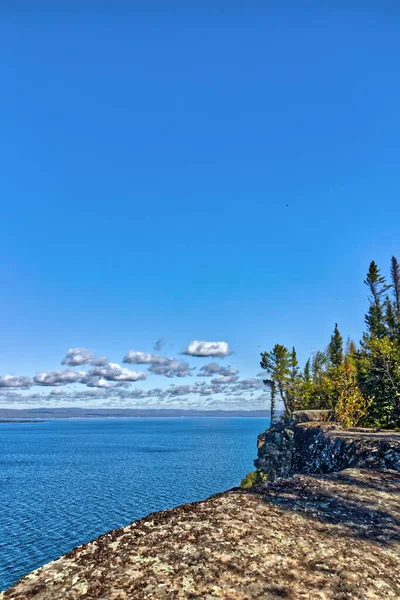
x=305, y=444
x=309, y=537
x=317, y=536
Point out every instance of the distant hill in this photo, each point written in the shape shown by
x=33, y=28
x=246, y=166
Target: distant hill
x=80, y=413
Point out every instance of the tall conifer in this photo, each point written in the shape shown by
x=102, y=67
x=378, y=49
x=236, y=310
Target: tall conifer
x=335, y=348
x=375, y=317
x=395, y=273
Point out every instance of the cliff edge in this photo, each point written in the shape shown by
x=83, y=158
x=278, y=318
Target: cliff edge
x=306, y=444
x=311, y=536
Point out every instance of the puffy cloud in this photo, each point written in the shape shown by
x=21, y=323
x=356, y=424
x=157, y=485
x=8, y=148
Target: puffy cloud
x=100, y=382
x=56, y=378
x=159, y=365
x=171, y=369
x=144, y=358
x=225, y=379
x=247, y=385
x=211, y=369
x=82, y=356
x=114, y=372
x=203, y=349
x=200, y=389
x=95, y=377
x=181, y=390
x=15, y=381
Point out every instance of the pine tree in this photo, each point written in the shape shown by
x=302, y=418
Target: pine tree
x=318, y=365
x=395, y=273
x=375, y=317
x=335, y=348
x=272, y=388
x=277, y=363
x=307, y=372
x=390, y=319
x=294, y=366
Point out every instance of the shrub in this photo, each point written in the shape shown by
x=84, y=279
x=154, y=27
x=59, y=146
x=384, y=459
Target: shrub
x=351, y=407
x=253, y=478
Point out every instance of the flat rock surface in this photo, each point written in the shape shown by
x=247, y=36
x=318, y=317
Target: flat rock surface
x=334, y=536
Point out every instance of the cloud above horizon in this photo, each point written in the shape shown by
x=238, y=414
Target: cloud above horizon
x=212, y=369
x=15, y=381
x=57, y=378
x=83, y=356
x=207, y=349
x=110, y=383
x=159, y=365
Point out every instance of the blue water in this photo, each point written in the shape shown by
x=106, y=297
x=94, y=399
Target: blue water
x=64, y=482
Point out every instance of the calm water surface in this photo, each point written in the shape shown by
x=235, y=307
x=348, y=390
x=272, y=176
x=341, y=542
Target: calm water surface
x=64, y=482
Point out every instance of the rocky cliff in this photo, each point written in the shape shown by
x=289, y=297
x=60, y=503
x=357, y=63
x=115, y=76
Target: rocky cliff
x=325, y=536
x=309, y=537
x=305, y=444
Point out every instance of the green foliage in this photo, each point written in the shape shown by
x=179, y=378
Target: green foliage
x=283, y=367
x=335, y=348
x=374, y=319
x=272, y=385
x=395, y=274
x=277, y=364
x=253, y=478
x=379, y=378
x=362, y=384
x=351, y=407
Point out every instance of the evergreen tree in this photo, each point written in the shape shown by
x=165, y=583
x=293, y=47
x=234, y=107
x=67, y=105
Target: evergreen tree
x=318, y=365
x=361, y=384
x=390, y=319
x=277, y=363
x=375, y=317
x=307, y=372
x=294, y=387
x=395, y=273
x=272, y=388
x=306, y=387
x=335, y=348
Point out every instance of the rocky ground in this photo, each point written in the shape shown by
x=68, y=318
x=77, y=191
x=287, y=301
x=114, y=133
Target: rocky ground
x=310, y=537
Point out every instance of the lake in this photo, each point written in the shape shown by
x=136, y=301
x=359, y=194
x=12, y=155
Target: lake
x=64, y=482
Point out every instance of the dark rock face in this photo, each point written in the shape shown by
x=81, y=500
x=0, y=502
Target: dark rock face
x=306, y=445
x=275, y=451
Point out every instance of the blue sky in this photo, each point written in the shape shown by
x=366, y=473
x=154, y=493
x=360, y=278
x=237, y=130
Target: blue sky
x=216, y=171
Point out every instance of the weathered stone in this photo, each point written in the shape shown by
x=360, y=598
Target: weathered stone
x=304, y=444
x=309, y=537
x=320, y=537
x=275, y=451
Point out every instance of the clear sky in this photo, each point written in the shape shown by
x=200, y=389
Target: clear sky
x=219, y=171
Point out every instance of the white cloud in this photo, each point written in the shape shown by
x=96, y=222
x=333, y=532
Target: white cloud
x=225, y=379
x=159, y=365
x=82, y=356
x=15, y=381
x=144, y=358
x=172, y=369
x=247, y=385
x=114, y=372
x=56, y=378
x=211, y=369
x=204, y=349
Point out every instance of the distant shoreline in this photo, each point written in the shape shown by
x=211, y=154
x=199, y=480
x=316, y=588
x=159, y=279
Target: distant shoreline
x=36, y=415
x=21, y=420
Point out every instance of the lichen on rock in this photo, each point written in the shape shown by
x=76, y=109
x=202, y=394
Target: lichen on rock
x=309, y=537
